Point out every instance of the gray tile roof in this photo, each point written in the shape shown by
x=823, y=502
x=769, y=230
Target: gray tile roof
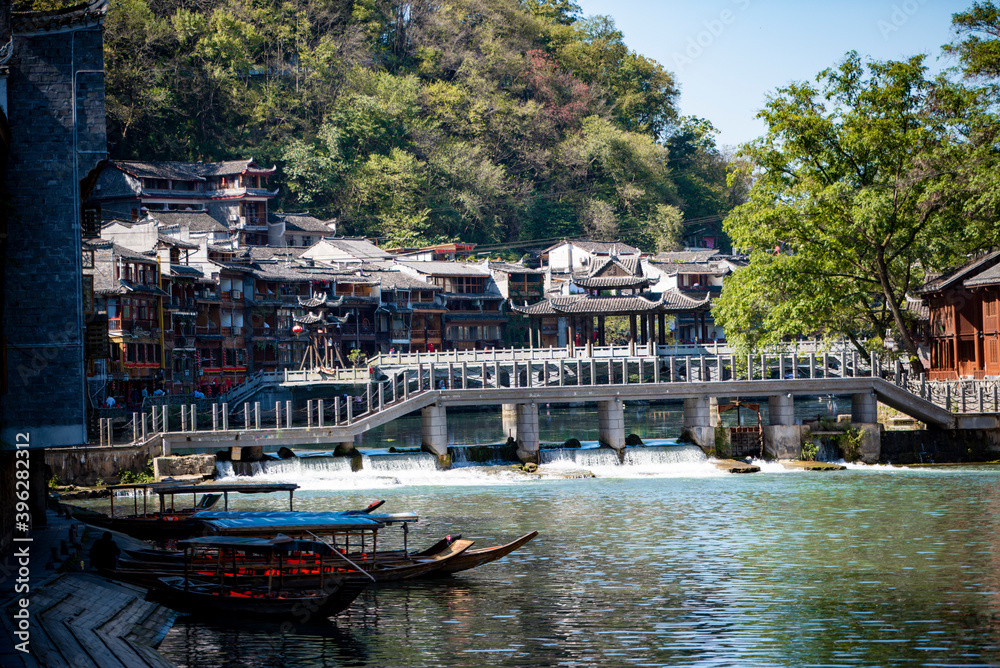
x=195, y=221
x=186, y=171
x=438, y=268
x=968, y=270
x=687, y=255
x=600, y=247
x=301, y=222
x=509, y=268
x=622, y=305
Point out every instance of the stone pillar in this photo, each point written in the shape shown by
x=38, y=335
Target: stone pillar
x=864, y=408
x=700, y=418
x=782, y=438
x=611, y=424
x=508, y=414
x=527, y=432
x=434, y=431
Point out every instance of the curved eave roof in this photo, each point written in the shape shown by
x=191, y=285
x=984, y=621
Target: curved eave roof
x=621, y=305
x=599, y=282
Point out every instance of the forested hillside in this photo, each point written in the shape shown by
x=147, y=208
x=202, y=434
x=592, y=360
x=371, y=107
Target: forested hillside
x=489, y=121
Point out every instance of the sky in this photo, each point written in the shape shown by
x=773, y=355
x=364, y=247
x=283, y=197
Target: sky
x=727, y=55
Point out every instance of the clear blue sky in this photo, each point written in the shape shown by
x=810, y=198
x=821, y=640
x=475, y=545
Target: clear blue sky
x=727, y=55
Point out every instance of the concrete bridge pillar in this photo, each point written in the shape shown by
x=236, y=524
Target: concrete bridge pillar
x=781, y=410
x=434, y=432
x=611, y=424
x=700, y=417
x=864, y=416
x=864, y=408
x=508, y=414
x=782, y=438
x=527, y=432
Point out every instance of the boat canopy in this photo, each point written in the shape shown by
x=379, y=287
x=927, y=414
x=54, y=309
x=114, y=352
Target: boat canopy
x=225, y=489
x=272, y=522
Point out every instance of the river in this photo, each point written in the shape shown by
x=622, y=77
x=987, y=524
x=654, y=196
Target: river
x=664, y=561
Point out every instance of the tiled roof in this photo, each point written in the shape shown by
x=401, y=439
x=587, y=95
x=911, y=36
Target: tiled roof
x=608, y=282
x=697, y=268
x=174, y=241
x=687, y=255
x=397, y=280
x=267, y=253
x=358, y=248
x=970, y=269
x=439, y=268
x=195, y=221
x=918, y=307
x=622, y=305
x=990, y=276
x=301, y=222
x=185, y=171
x=509, y=268
x=600, y=247
x=184, y=270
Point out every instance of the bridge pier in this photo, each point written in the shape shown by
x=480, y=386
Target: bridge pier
x=864, y=416
x=526, y=434
x=700, y=417
x=782, y=437
x=508, y=415
x=611, y=424
x=434, y=432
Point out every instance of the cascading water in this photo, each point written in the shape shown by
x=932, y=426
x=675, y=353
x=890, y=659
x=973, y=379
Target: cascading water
x=487, y=465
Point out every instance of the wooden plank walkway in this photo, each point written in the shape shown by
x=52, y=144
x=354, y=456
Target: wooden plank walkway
x=81, y=620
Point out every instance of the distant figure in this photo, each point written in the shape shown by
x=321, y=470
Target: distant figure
x=145, y=393
x=198, y=394
x=104, y=553
x=110, y=401
x=215, y=389
x=442, y=385
x=158, y=392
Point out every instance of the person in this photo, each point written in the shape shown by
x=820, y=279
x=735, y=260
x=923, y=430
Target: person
x=105, y=552
x=158, y=392
x=110, y=402
x=215, y=389
x=145, y=393
x=198, y=394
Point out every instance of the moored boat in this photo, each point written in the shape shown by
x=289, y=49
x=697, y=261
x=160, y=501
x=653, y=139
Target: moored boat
x=277, y=593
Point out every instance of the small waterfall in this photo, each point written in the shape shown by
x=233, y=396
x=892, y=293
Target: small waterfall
x=582, y=457
x=664, y=456
x=396, y=463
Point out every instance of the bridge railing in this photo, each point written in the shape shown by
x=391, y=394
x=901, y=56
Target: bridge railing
x=397, y=386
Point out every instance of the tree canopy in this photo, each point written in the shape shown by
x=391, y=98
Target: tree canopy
x=416, y=121
x=860, y=189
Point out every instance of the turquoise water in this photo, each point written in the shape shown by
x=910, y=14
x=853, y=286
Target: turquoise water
x=666, y=565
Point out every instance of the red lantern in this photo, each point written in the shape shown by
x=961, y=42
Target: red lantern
x=297, y=329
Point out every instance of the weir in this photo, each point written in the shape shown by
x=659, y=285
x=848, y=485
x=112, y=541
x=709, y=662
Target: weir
x=392, y=467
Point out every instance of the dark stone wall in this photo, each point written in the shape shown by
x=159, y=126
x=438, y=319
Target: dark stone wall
x=57, y=128
x=931, y=446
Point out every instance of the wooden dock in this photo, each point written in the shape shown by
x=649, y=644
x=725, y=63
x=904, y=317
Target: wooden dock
x=81, y=620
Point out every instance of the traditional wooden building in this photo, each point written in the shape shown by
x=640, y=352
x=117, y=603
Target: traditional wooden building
x=473, y=316
x=127, y=289
x=234, y=192
x=964, y=312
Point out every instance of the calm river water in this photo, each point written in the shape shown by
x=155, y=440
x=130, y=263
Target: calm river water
x=663, y=562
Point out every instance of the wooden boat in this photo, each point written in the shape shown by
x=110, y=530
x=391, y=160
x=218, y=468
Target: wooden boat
x=354, y=537
x=169, y=522
x=473, y=558
x=278, y=594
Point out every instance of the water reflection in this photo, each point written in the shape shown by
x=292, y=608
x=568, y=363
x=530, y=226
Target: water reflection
x=865, y=567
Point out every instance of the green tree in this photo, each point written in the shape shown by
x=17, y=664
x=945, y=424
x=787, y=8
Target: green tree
x=853, y=200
